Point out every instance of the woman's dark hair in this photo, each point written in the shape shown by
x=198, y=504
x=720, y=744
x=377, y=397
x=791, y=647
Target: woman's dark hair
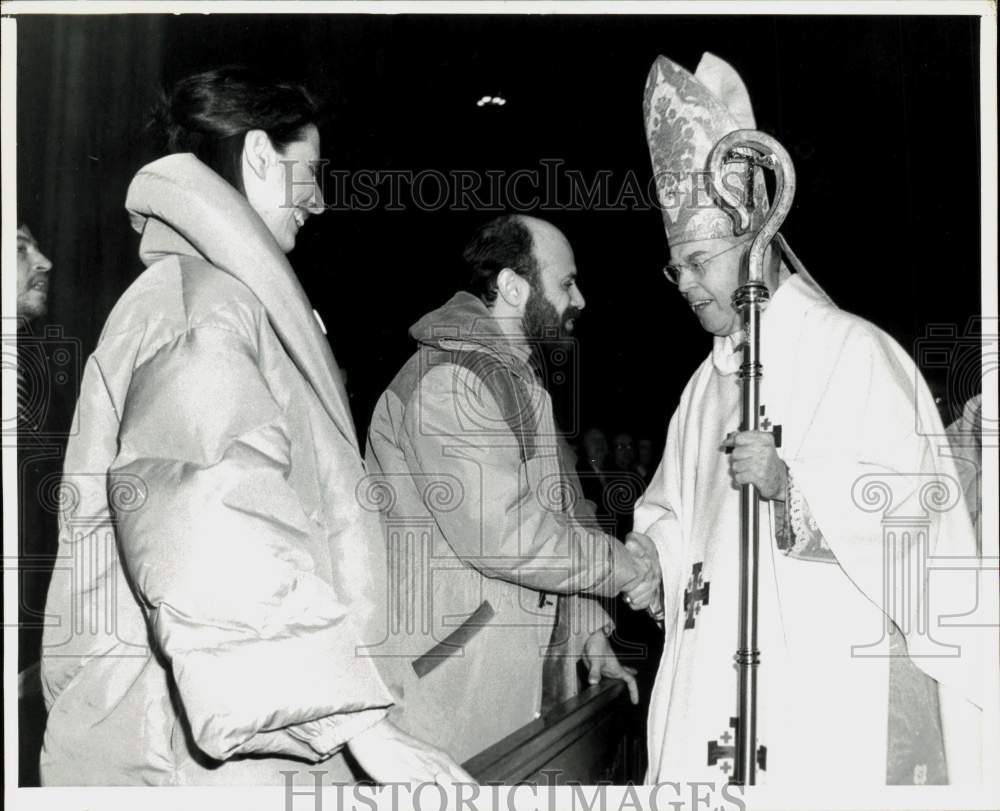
x=504, y=242
x=210, y=114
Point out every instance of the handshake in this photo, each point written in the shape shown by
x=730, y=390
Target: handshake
x=645, y=590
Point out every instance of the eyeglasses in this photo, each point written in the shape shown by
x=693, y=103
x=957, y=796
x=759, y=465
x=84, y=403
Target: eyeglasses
x=673, y=271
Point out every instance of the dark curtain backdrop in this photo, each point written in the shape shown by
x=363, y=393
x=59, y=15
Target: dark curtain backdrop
x=84, y=87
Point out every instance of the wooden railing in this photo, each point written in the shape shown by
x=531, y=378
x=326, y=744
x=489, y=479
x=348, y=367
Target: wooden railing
x=593, y=737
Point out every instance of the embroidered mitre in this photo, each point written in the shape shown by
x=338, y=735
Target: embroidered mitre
x=686, y=115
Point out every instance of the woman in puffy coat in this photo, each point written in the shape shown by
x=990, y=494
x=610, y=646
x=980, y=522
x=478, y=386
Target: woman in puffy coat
x=214, y=612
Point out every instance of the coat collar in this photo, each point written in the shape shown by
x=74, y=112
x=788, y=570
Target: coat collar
x=464, y=323
x=180, y=206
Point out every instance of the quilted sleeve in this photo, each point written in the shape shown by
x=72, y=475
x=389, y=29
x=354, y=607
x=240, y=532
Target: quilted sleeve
x=260, y=648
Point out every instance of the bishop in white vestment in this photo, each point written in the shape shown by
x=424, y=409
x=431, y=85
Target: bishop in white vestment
x=858, y=681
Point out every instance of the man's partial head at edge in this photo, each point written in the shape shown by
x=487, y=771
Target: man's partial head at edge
x=33, y=269
x=522, y=268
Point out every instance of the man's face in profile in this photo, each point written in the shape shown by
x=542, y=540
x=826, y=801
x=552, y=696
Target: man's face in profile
x=32, y=276
x=555, y=301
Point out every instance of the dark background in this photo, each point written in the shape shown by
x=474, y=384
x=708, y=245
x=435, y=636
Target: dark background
x=880, y=115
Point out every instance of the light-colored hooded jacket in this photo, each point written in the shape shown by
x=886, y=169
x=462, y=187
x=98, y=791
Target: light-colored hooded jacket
x=481, y=535
x=216, y=572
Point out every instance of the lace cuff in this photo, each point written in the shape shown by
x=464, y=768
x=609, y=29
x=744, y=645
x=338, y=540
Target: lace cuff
x=798, y=535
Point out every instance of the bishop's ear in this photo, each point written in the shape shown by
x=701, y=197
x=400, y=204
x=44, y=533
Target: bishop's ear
x=513, y=288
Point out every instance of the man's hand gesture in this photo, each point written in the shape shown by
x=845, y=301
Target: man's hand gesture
x=644, y=592
x=602, y=662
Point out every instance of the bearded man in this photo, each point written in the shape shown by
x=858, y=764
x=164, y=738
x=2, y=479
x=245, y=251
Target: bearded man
x=39, y=453
x=39, y=460
x=486, y=555
x=855, y=684
x=33, y=272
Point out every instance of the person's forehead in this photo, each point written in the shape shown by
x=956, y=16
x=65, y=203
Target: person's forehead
x=24, y=233
x=699, y=247
x=549, y=243
x=555, y=258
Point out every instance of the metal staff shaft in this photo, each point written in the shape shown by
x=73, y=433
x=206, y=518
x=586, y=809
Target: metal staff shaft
x=750, y=299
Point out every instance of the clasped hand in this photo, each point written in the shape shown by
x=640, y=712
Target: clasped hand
x=754, y=460
x=644, y=591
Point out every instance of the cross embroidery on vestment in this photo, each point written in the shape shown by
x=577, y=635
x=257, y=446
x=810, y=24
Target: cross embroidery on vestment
x=695, y=596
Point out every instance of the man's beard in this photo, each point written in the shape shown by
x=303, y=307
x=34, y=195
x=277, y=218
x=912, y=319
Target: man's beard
x=548, y=334
x=32, y=303
x=541, y=319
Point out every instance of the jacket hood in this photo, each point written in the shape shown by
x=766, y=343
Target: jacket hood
x=180, y=206
x=465, y=321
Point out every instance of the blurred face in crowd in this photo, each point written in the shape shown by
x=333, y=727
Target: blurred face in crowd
x=282, y=187
x=555, y=301
x=32, y=276
x=595, y=445
x=708, y=272
x=624, y=452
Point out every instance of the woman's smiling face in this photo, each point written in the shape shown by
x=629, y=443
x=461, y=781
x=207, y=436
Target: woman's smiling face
x=281, y=186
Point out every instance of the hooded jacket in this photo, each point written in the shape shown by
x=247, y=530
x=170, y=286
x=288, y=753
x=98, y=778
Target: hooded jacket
x=481, y=536
x=216, y=575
